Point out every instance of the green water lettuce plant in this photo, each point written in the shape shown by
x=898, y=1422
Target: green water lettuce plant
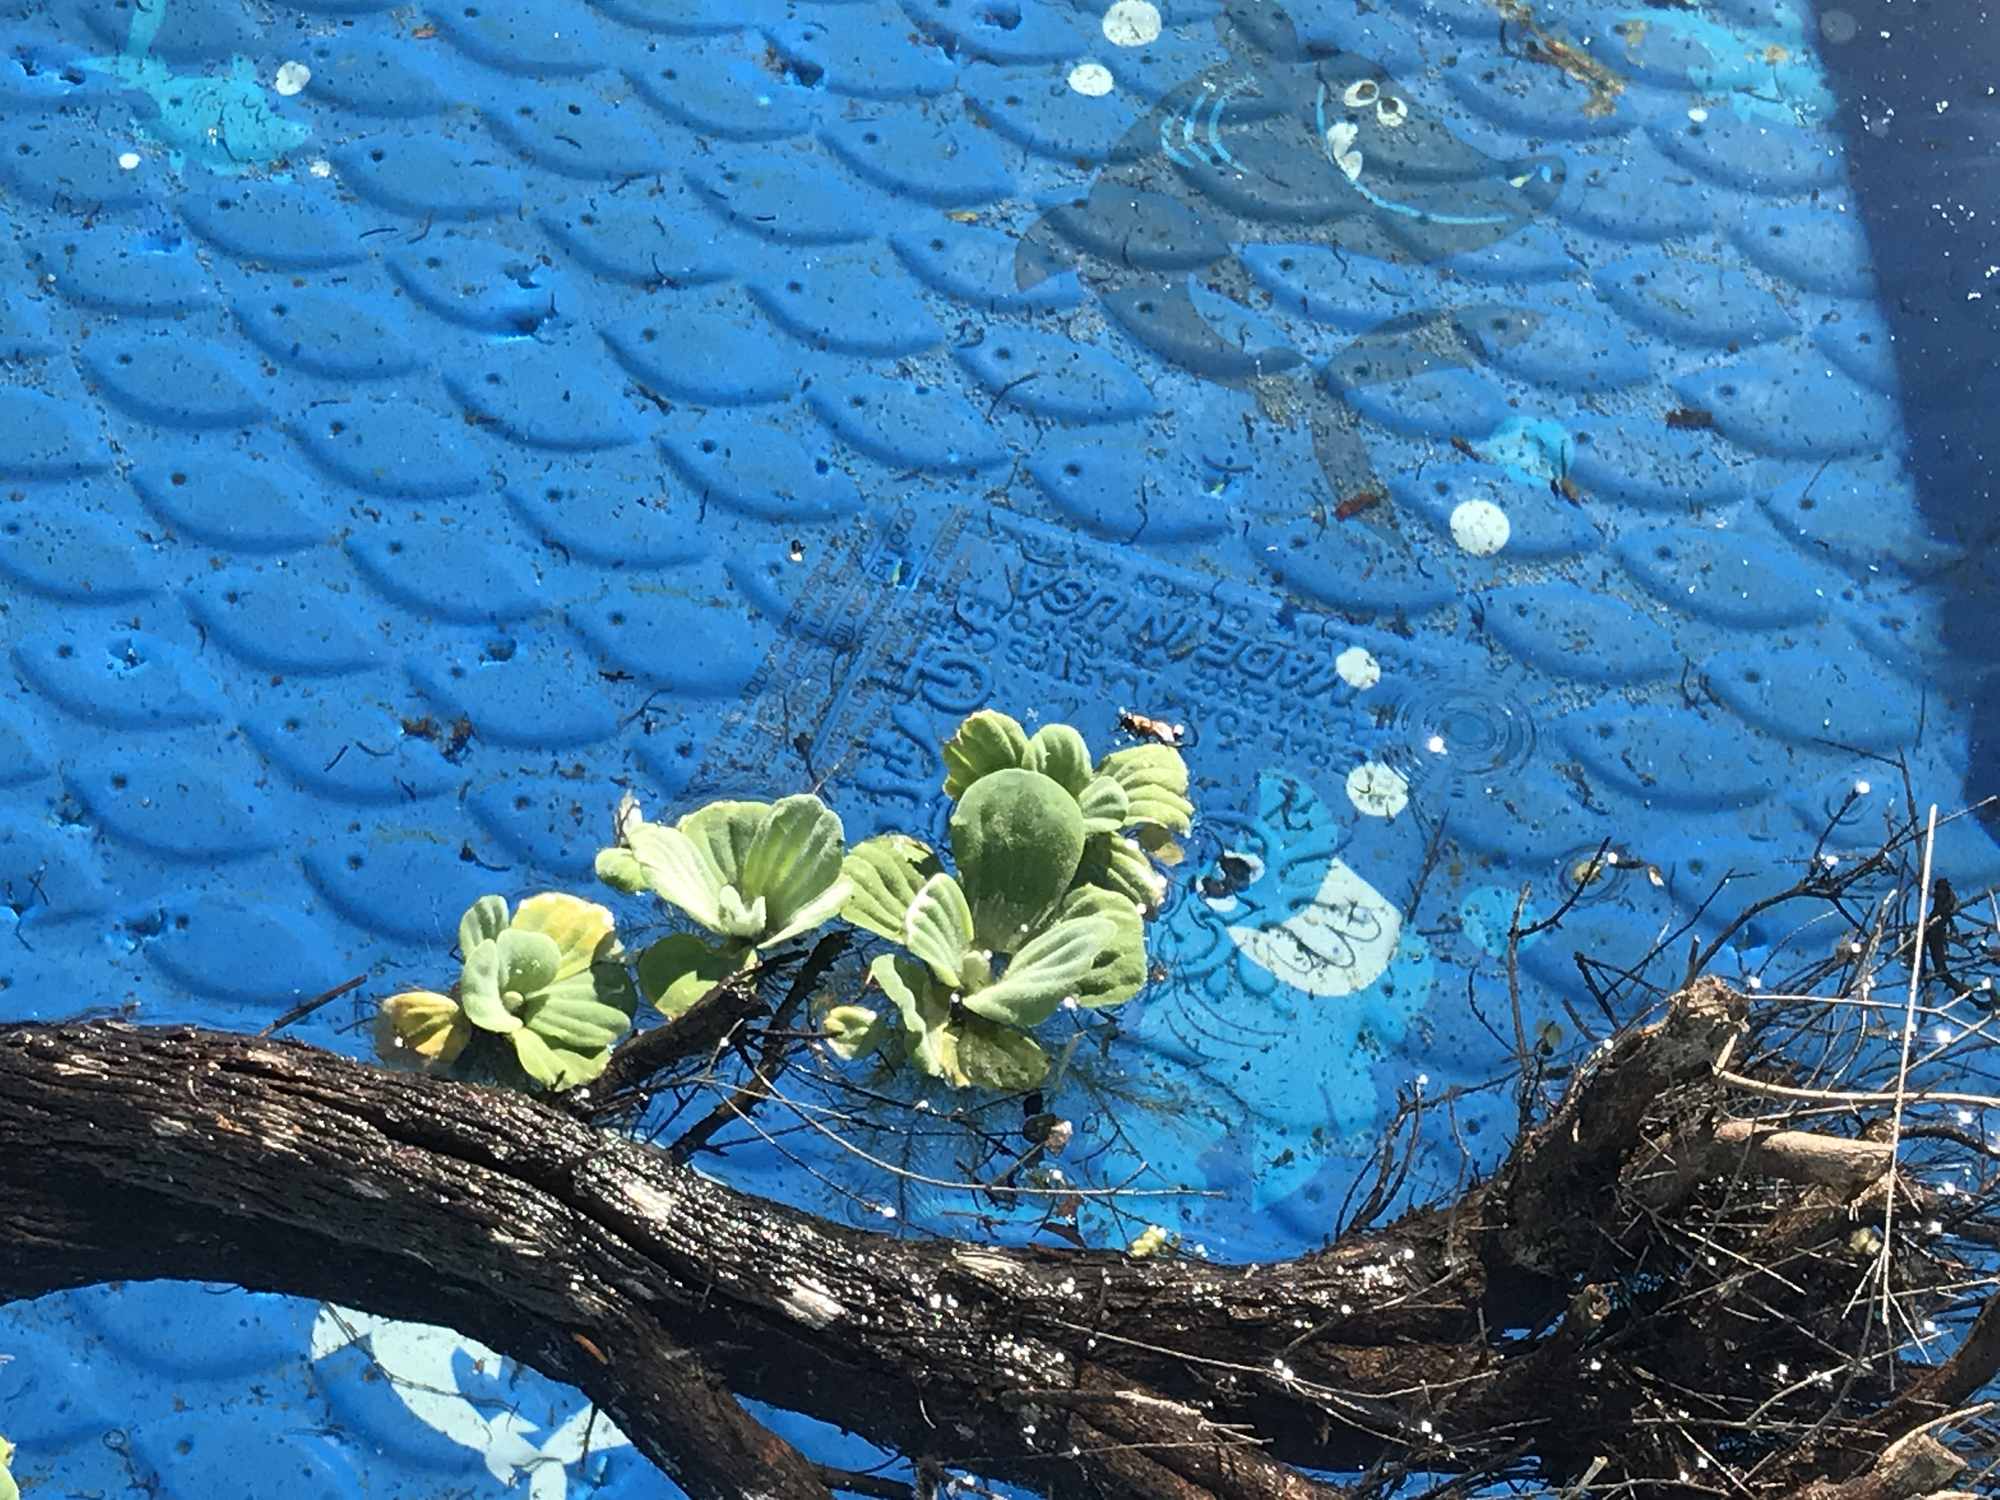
x=548, y=981
x=1134, y=801
x=1053, y=872
x=1046, y=906
x=752, y=874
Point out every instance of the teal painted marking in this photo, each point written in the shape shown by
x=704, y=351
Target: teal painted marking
x=1533, y=450
x=1768, y=74
x=1488, y=916
x=1423, y=215
x=226, y=124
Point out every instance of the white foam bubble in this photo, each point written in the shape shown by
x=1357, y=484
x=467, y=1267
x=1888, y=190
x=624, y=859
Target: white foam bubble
x=1358, y=668
x=1091, y=79
x=1132, y=23
x=1377, y=790
x=1480, y=527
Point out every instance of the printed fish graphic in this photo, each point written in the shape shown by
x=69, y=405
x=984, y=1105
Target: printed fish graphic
x=1287, y=976
x=1289, y=143
x=1288, y=903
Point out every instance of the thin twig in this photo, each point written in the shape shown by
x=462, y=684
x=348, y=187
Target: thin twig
x=1903, y=1064
x=306, y=1007
x=772, y=1056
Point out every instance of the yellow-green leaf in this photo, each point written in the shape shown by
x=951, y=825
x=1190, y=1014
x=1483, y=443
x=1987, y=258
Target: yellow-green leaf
x=480, y=990
x=723, y=833
x=1105, y=805
x=1043, y=974
x=1119, y=970
x=620, y=869
x=1017, y=837
x=555, y=1067
x=1058, y=751
x=421, y=1028
x=853, y=1031
x=1117, y=864
x=572, y=1015
x=679, y=870
x=1155, y=779
x=581, y=930
x=793, y=864
x=926, y=1013
x=999, y=1057
x=483, y=921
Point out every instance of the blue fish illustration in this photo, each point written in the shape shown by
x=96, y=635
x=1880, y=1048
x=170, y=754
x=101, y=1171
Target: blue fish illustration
x=1288, y=976
x=1289, y=143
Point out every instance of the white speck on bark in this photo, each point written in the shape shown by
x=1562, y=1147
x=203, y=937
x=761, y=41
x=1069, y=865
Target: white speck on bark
x=811, y=1303
x=991, y=1269
x=650, y=1201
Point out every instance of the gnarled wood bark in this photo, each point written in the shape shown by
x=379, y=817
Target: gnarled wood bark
x=129, y=1153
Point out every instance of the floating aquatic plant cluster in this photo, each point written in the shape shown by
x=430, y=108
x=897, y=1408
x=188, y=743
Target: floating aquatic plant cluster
x=1053, y=874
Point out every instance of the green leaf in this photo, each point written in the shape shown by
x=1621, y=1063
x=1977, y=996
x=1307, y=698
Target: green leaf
x=885, y=875
x=794, y=861
x=1018, y=838
x=926, y=1012
x=987, y=741
x=1119, y=971
x=734, y=917
x=678, y=871
x=483, y=921
x=999, y=1057
x=1044, y=973
x=1155, y=779
x=537, y=1058
x=815, y=913
x=575, y=1014
x=1059, y=753
x=479, y=989
x=853, y=1031
x=528, y=963
x=678, y=970
x=620, y=869
x=556, y=1067
x=1117, y=864
x=1104, y=805
x=725, y=832
x=938, y=928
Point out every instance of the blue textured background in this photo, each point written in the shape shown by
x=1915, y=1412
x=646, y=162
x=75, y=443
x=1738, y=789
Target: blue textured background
x=551, y=398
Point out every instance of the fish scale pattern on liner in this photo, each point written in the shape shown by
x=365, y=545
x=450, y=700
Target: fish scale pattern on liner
x=417, y=423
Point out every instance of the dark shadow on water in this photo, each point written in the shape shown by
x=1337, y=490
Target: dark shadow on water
x=1922, y=136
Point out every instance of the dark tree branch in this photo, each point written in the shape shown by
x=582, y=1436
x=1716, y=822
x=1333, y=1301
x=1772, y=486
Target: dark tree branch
x=663, y=1295
x=702, y=1028
x=772, y=1055
x=1555, y=1187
